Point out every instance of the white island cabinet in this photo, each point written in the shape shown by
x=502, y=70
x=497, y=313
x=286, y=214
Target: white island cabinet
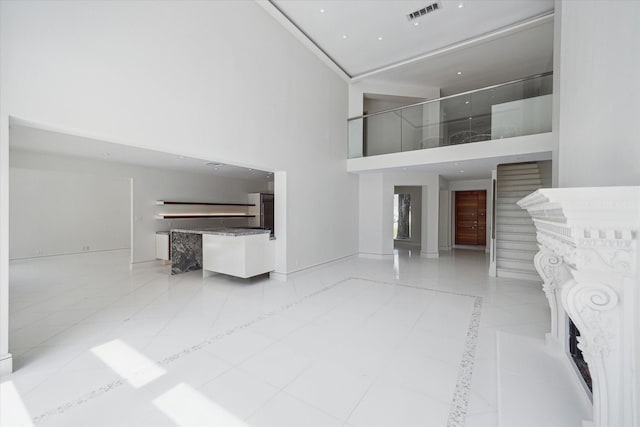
x=240, y=252
x=240, y=255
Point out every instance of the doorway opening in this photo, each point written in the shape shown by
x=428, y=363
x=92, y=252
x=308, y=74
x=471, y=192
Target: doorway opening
x=471, y=219
x=407, y=217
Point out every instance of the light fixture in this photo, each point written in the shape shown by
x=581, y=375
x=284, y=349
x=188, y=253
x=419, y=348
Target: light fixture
x=380, y=38
x=415, y=24
x=344, y=36
x=321, y=10
x=470, y=118
x=460, y=6
x=466, y=102
x=461, y=171
x=459, y=73
x=182, y=157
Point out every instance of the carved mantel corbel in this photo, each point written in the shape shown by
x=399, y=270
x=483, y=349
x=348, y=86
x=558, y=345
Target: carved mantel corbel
x=554, y=273
x=588, y=259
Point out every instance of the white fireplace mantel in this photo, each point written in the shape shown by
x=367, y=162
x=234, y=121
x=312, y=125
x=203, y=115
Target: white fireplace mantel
x=588, y=259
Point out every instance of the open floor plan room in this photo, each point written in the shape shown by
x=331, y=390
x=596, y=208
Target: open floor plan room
x=402, y=341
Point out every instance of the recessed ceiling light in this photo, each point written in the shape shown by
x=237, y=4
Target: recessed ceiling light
x=460, y=6
x=459, y=73
x=182, y=157
x=321, y=10
x=415, y=24
x=466, y=102
x=380, y=38
x=344, y=36
x=470, y=118
x=250, y=169
x=461, y=171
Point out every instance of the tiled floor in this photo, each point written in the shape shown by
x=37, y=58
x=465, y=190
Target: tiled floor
x=395, y=342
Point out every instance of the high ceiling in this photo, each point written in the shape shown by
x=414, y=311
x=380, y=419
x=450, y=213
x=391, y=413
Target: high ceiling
x=26, y=138
x=489, y=41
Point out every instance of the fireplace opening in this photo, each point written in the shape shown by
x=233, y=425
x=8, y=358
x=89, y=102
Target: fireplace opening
x=576, y=354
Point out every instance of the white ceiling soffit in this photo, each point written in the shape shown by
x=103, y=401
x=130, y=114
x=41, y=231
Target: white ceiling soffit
x=26, y=138
x=366, y=37
x=466, y=169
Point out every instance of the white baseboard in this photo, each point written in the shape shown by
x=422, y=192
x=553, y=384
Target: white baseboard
x=431, y=255
x=6, y=364
x=276, y=275
x=374, y=256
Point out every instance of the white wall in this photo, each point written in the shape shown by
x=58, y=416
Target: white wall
x=149, y=185
x=372, y=214
x=359, y=88
x=416, y=214
x=376, y=211
x=598, y=93
x=56, y=213
x=218, y=80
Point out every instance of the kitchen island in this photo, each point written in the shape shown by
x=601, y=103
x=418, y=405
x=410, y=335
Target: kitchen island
x=240, y=252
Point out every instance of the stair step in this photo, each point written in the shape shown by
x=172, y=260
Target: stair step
x=516, y=228
x=516, y=274
x=508, y=207
x=511, y=213
x=517, y=254
x=521, y=179
x=516, y=166
x=516, y=264
x=520, y=194
x=514, y=220
x=514, y=244
x=512, y=176
x=508, y=200
x=525, y=187
x=518, y=237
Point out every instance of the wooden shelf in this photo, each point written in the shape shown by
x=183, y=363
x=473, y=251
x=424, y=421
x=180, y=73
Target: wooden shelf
x=213, y=215
x=165, y=202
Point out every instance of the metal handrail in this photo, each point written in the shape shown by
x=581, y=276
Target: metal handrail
x=364, y=116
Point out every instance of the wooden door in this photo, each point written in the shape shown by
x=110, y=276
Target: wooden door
x=471, y=217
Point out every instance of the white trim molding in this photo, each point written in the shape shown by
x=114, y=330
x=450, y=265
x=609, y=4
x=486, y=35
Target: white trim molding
x=588, y=259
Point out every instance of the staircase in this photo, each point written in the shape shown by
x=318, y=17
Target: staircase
x=515, y=233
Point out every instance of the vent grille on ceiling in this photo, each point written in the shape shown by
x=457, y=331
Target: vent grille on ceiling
x=427, y=9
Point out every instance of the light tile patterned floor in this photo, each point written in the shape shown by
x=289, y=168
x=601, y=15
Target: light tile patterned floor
x=396, y=342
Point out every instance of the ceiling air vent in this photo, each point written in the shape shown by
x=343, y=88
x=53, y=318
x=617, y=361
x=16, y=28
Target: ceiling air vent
x=427, y=9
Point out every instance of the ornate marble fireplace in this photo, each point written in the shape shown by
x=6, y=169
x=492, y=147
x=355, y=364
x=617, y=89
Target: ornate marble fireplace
x=589, y=261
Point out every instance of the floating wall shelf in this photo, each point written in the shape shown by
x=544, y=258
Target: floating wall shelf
x=191, y=215
x=164, y=202
x=213, y=215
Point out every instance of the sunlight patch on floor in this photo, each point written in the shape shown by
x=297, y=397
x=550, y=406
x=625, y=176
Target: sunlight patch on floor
x=187, y=407
x=125, y=361
x=14, y=412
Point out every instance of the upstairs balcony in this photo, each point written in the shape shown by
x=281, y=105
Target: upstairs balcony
x=513, y=109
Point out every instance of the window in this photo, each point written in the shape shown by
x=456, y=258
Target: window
x=402, y=216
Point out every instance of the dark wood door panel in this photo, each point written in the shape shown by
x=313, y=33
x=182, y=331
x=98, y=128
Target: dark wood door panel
x=470, y=217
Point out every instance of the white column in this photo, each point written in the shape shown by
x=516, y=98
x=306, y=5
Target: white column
x=6, y=361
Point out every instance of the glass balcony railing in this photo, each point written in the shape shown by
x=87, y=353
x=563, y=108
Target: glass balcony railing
x=521, y=107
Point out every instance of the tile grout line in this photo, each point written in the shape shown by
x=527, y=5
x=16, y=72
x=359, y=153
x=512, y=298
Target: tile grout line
x=175, y=356
x=460, y=403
